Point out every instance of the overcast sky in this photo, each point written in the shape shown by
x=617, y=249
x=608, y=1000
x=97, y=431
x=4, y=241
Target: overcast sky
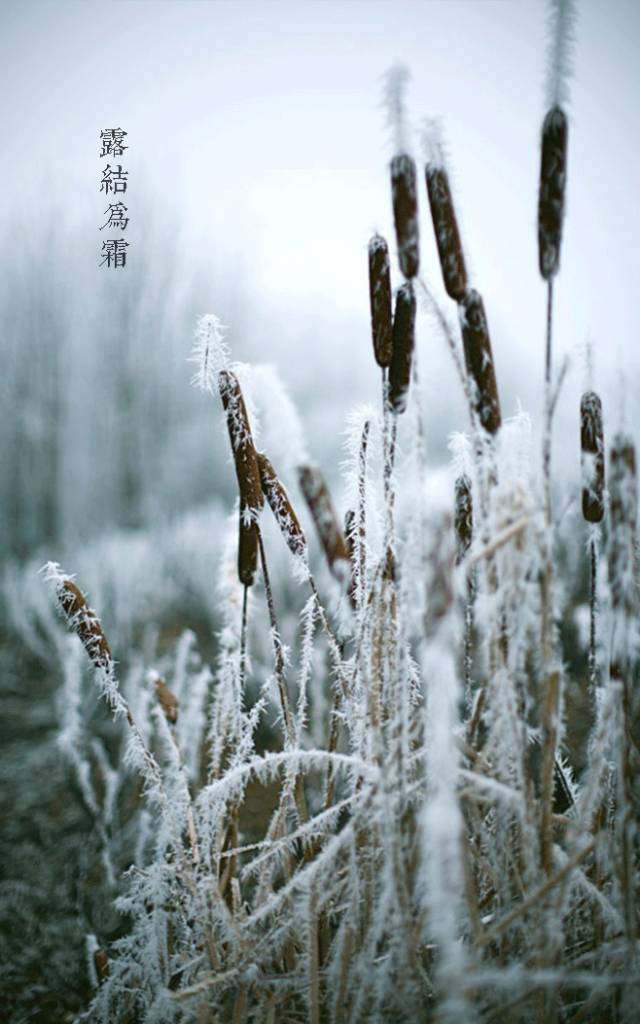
x=257, y=126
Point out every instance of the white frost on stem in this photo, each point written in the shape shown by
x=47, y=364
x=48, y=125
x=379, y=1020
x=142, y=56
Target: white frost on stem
x=562, y=23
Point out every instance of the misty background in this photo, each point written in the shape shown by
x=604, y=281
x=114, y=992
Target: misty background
x=257, y=164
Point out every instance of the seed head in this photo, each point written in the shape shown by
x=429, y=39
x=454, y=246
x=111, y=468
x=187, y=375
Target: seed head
x=479, y=360
x=445, y=227
x=403, y=341
x=404, y=193
x=281, y=507
x=318, y=499
x=551, y=199
x=247, y=472
x=380, y=299
x=592, y=448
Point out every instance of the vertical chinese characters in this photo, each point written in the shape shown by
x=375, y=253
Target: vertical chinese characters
x=114, y=182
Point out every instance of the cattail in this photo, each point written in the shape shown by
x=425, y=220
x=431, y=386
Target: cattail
x=479, y=360
x=403, y=340
x=463, y=516
x=445, y=227
x=624, y=516
x=553, y=176
x=404, y=192
x=247, y=472
x=380, y=299
x=167, y=700
x=101, y=964
x=281, y=507
x=592, y=445
x=323, y=513
x=86, y=623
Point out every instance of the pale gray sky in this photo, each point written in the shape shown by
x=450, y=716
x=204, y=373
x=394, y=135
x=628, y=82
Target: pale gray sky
x=258, y=125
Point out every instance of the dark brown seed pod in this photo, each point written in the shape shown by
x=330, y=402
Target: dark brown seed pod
x=101, y=964
x=167, y=700
x=592, y=448
x=463, y=516
x=248, y=547
x=551, y=199
x=86, y=623
x=623, y=510
x=479, y=360
x=380, y=299
x=323, y=513
x=281, y=507
x=445, y=227
x=403, y=340
x=404, y=193
x=247, y=472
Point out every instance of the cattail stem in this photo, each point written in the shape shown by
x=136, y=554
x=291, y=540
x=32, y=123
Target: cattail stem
x=549, y=331
x=593, y=583
x=280, y=677
x=243, y=638
x=277, y=646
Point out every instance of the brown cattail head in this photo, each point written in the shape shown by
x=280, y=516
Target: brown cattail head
x=479, y=360
x=592, y=445
x=86, y=623
x=101, y=964
x=463, y=516
x=380, y=299
x=281, y=507
x=404, y=193
x=403, y=340
x=247, y=472
x=323, y=513
x=623, y=509
x=167, y=700
x=445, y=227
x=553, y=177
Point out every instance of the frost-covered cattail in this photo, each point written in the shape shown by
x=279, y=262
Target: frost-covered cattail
x=624, y=603
x=167, y=700
x=479, y=360
x=403, y=341
x=463, y=516
x=84, y=621
x=404, y=189
x=551, y=200
x=555, y=128
x=380, y=299
x=443, y=215
x=404, y=192
x=247, y=472
x=624, y=521
x=318, y=499
x=281, y=507
x=592, y=447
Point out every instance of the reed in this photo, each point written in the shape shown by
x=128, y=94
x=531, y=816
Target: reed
x=551, y=196
x=403, y=342
x=479, y=361
x=247, y=472
x=283, y=511
x=592, y=449
x=380, y=300
x=320, y=505
x=447, y=235
x=404, y=194
x=593, y=479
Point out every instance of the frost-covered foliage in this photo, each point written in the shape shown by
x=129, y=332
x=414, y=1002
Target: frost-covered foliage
x=366, y=809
